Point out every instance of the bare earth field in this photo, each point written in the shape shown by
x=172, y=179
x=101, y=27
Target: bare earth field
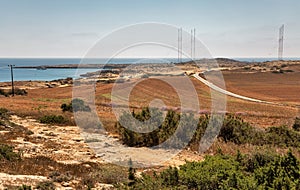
x=268, y=86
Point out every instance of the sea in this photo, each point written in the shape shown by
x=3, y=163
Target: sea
x=54, y=74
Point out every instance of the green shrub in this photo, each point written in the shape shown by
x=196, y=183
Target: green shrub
x=225, y=172
x=24, y=187
x=4, y=113
x=58, y=177
x=181, y=134
x=109, y=174
x=46, y=185
x=257, y=160
x=160, y=130
x=2, y=123
x=282, y=136
x=66, y=107
x=233, y=129
x=296, y=125
x=215, y=172
x=76, y=105
x=282, y=173
x=145, y=76
x=17, y=91
x=21, y=92
x=3, y=93
x=53, y=119
x=7, y=152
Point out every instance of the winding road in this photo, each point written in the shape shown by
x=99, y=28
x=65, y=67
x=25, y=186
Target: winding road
x=216, y=88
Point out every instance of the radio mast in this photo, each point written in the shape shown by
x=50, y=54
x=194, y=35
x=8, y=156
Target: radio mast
x=192, y=39
x=194, y=54
x=193, y=43
x=178, y=38
x=280, y=46
x=179, y=45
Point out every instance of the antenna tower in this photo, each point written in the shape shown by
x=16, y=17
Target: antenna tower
x=280, y=47
x=194, y=54
x=179, y=45
x=192, y=40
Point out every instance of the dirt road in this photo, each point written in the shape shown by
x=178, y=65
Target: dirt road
x=216, y=88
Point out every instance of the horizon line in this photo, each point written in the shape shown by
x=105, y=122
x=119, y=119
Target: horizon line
x=215, y=57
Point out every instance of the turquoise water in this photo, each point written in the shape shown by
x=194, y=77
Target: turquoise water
x=52, y=74
x=44, y=75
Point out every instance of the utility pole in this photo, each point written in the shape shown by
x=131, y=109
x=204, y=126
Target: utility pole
x=12, y=79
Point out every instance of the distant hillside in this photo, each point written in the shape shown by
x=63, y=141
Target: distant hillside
x=221, y=62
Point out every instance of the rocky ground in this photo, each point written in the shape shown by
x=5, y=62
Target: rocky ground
x=65, y=145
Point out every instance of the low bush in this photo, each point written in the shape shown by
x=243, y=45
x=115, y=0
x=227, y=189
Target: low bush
x=281, y=136
x=144, y=76
x=159, y=130
x=24, y=187
x=53, y=119
x=258, y=159
x=4, y=113
x=66, y=107
x=3, y=93
x=108, y=174
x=296, y=125
x=236, y=130
x=7, y=153
x=282, y=173
x=225, y=172
x=17, y=91
x=58, y=177
x=233, y=129
x=75, y=106
x=21, y=92
x=2, y=123
x=45, y=185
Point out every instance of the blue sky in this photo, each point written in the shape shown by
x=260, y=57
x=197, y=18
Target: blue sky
x=68, y=28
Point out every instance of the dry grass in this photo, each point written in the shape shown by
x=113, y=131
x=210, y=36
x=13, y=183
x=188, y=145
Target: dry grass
x=267, y=86
x=278, y=88
x=94, y=172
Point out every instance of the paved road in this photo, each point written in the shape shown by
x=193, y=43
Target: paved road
x=214, y=87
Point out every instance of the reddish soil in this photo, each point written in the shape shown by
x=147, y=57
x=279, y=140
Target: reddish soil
x=282, y=88
x=265, y=86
